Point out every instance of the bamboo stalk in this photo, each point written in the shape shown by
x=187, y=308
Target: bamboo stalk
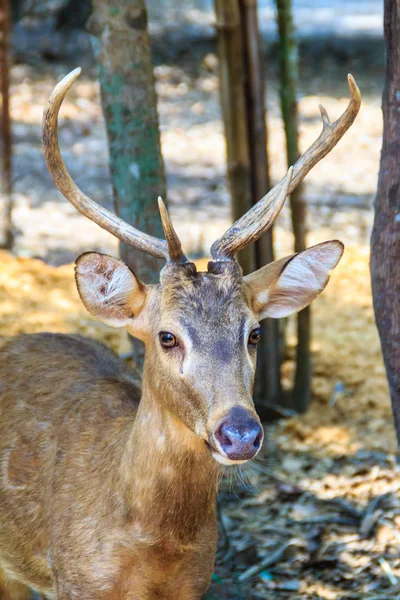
x=288, y=92
x=268, y=384
x=233, y=103
x=243, y=108
x=6, y=175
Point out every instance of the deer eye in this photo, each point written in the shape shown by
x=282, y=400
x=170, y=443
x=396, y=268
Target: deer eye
x=167, y=340
x=254, y=337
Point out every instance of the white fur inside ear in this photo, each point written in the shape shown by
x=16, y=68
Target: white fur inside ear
x=303, y=278
x=310, y=269
x=262, y=297
x=108, y=288
x=119, y=285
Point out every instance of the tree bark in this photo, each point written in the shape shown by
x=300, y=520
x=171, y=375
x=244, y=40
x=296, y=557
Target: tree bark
x=268, y=382
x=125, y=68
x=288, y=92
x=6, y=176
x=243, y=109
x=233, y=102
x=385, y=241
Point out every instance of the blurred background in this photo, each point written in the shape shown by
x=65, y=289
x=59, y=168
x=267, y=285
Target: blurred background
x=319, y=513
x=334, y=38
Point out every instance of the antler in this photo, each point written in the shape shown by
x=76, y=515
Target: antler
x=174, y=243
x=169, y=249
x=250, y=227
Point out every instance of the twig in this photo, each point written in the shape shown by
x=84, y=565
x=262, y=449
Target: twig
x=388, y=593
x=345, y=506
x=327, y=519
x=384, y=596
x=268, y=561
x=387, y=569
x=371, y=515
x=274, y=529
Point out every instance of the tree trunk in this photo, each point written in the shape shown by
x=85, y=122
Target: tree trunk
x=233, y=102
x=243, y=108
x=268, y=384
x=6, y=176
x=385, y=241
x=122, y=50
x=288, y=92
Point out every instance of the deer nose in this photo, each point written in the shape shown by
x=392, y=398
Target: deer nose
x=239, y=435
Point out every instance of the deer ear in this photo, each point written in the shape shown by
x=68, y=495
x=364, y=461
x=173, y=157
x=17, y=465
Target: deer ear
x=109, y=289
x=286, y=286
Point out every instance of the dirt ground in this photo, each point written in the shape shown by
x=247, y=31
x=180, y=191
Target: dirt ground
x=318, y=515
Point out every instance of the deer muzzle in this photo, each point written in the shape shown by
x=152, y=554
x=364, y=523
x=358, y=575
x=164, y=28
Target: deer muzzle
x=238, y=436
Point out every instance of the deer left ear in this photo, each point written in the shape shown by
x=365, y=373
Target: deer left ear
x=109, y=289
x=290, y=284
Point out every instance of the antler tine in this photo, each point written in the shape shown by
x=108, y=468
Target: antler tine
x=174, y=244
x=249, y=228
x=262, y=215
x=330, y=135
x=58, y=171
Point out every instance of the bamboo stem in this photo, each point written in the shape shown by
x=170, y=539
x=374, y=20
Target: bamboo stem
x=288, y=92
x=6, y=176
x=268, y=384
x=243, y=108
x=233, y=103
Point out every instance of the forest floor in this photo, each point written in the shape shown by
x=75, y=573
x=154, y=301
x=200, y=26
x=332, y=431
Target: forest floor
x=319, y=516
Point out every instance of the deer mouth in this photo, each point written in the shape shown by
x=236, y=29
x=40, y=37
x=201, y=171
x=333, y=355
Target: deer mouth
x=220, y=458
x=224, y=460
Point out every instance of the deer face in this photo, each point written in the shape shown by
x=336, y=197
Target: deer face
x=205, y=346
x=201, y=332
x=200, y=329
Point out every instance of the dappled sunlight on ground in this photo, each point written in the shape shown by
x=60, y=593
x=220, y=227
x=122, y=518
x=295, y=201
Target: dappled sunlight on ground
x=36, y=297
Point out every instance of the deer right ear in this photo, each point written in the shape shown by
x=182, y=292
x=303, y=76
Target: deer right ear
x=290, y=284
x=109, y=289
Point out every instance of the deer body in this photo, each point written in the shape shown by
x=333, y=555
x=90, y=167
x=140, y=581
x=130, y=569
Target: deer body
x=107, y=492
x=105, y=499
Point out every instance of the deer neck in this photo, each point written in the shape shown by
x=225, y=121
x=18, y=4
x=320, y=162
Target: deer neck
x=170, y=476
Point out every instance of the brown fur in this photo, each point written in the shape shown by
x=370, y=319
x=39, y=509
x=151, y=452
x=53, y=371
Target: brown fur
x=107, y=491
x=85, y=510
x=12, y=590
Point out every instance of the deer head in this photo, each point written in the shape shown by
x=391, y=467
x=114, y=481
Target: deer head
x=201, y=329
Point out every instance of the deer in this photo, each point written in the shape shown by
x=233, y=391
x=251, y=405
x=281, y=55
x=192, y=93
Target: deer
x=108, y=485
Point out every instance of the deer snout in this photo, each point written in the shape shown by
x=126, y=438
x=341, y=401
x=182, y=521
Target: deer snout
x=238, y=436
